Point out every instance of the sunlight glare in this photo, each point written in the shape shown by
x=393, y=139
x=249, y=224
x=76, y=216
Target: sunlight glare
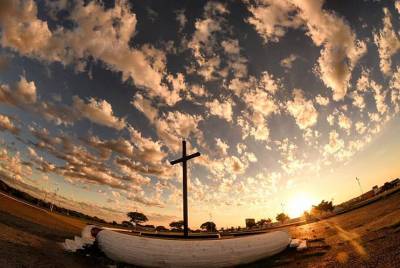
x=298, y=204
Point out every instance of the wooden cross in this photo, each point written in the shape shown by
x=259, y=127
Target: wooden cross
x=183, y=160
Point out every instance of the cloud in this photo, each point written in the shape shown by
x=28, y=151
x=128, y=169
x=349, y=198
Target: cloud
x=331, y=119
x=222, y=146
x=360, y=127
x=238, y=86
x=341, y=51
x=388, y=43
x=144, y=105
x=216, y=54
x=99, y=112
x=397, y=6
x=380, y=96
x=344, y=122
x=260, y=101
x=22, y=30
x=287, y=62
x=181, y=18
x=202, y=42
x=81, y=166
x=22, y=94
x=231, y=46
x=364, y=84
x=175, y=126
x=147, y=155
x=302, y=110
x=335, y=143
x=290, y=162
x=254, y=125
x=221, y=109
x=395, y=89
x=95, y=35
x=13, y=168
x=44, y=166
x=323, y=101
x=162, y=170
x=260, y=105
x=272, y=18
x=6, y=123
x=198, y=90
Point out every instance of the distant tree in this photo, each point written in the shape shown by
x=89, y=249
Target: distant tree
x=161, y=228
x=264, y=222
x=323, y=206
x=177, y=225
x=308, y=217
x=282, y=217
x=137, y=217
x=209, y=226
x=127, y=224
x=114, y=223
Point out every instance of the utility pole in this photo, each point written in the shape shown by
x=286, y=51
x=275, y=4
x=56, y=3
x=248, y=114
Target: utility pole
x=184, y=160
x=359, y=184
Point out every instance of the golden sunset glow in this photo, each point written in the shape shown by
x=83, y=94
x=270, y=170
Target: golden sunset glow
x=298, y=204
x=285, y=109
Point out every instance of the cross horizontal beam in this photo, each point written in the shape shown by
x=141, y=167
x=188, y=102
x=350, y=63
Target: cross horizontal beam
x=185, y=158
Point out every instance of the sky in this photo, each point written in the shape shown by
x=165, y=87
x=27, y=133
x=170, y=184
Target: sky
x=288, y=101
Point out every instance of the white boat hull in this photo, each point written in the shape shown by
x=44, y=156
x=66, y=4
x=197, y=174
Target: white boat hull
x=155, y=252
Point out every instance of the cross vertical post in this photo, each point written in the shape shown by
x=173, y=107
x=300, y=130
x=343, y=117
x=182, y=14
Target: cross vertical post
x=184, y=185
x=184, y=160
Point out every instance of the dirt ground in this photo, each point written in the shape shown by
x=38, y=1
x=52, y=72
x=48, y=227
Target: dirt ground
x=365, y=237
x=30, y=237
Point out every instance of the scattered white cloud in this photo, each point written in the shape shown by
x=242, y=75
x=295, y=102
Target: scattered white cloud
x=6, y=123
x=271, y=19
x=323, y=101
x=388, y=43
x=98, y=111
x=221, y=109
x=287, y=62
x=302, y=110
x=222, y=146
x=360, y=127
x=344, y=122
x=335, y=143
x=341, y=50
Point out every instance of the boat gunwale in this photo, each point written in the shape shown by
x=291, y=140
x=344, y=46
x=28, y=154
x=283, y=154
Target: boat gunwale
x=199, y=238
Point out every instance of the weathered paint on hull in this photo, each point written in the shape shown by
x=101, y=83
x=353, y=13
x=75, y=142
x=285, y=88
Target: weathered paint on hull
x=154, y=252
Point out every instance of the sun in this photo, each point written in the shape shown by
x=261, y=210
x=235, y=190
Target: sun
x=298, y=204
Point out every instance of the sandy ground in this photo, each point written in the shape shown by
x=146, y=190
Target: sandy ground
x=30, y=237
x=366, y=237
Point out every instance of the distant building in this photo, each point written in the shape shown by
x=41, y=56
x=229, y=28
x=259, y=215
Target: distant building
x=250, y=223
x=395, y=182
x=367, y=195
x=375, y=189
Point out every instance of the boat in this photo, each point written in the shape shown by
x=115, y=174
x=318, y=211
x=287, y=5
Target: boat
x=178, y=252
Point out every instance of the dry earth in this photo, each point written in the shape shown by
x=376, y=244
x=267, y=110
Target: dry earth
x=30, y=237
x=365, y=237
